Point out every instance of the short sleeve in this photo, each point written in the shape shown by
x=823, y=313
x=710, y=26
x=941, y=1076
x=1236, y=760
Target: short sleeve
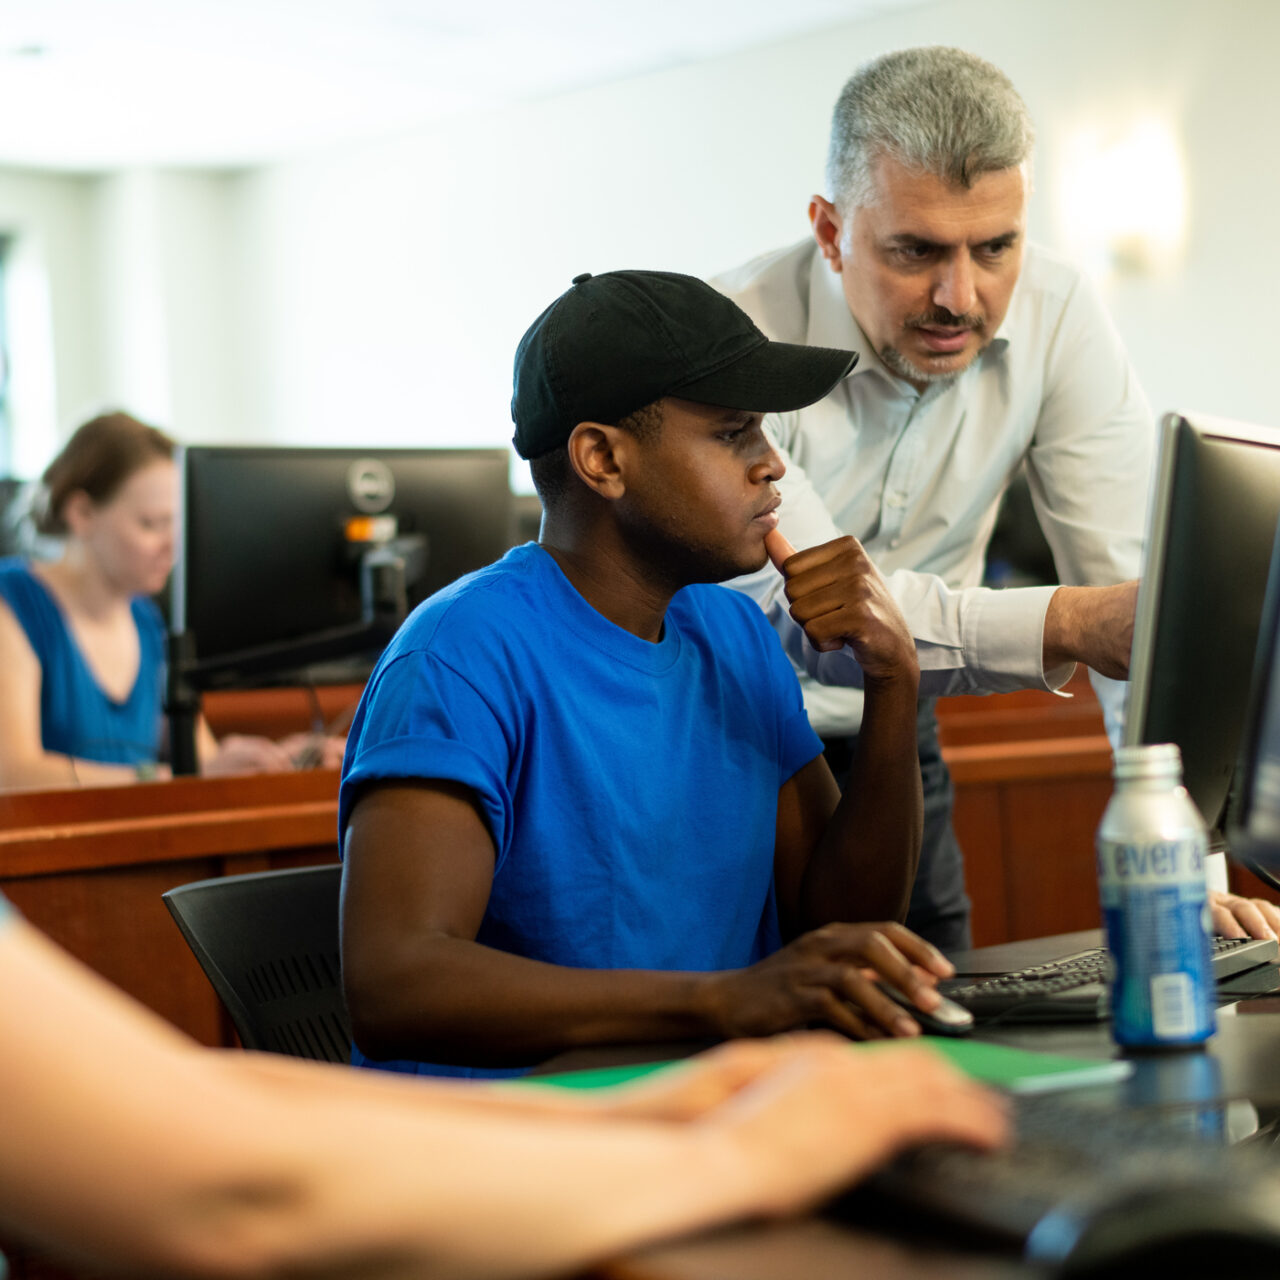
x=420, y=719
x=797, y=742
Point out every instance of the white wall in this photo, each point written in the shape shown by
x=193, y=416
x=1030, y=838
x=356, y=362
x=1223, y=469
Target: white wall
x=168, y=300
x=123, y=292
x=376, y=293
x=391, y=282
x=54, y=340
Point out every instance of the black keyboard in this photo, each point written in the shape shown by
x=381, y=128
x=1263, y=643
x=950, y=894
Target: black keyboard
x=1074, y=988
x=1081, y=1185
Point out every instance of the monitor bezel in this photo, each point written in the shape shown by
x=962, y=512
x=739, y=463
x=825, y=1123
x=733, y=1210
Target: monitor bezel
x=1177, y=431
x=1245, y=845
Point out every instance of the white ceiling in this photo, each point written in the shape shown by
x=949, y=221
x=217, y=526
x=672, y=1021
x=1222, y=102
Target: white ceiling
x=106, y=84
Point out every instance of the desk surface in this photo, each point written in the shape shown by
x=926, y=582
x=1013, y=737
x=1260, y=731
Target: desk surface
x=1246, y=1048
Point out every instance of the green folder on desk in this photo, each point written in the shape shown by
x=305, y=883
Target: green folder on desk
x=1018, y=1070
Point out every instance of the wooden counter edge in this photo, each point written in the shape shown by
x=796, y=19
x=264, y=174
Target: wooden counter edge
x=1037, y=759
x=161, y=822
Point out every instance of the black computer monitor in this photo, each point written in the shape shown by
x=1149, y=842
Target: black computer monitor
x=1210, y=530
x=1253, y=827
x=289, y=557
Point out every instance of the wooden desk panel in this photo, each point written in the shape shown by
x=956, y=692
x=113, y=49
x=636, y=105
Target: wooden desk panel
x=114, y=921
x=1025, y=714
x=1026, y=823
x=1032, y=773
x=46, y=832
x=88, y=867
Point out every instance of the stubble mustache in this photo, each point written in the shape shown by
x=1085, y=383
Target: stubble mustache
x=941, y=318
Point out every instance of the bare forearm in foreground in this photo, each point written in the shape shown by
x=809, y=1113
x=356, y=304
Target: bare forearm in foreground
x=131, y=1148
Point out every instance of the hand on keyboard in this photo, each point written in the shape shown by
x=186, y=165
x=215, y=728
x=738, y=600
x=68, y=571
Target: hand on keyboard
x=837, y=1114
x=1237, y=917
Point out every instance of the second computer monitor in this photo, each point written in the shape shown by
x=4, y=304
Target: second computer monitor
x=272, y=539
x=1210, y=531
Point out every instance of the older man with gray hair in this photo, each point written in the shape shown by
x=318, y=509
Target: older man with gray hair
x=979, y=352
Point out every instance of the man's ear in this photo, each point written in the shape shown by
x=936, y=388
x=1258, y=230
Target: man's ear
x=594, y=450
x=827, y=226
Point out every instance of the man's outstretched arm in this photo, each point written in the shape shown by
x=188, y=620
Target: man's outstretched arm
x=1093, y=625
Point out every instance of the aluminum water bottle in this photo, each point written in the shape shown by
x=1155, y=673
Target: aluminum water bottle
x=1152, y=845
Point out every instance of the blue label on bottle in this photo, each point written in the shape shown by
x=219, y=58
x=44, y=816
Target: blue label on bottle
x=1156, y=917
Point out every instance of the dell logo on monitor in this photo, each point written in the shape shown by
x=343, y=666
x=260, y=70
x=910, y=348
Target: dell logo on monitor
x=371, y=485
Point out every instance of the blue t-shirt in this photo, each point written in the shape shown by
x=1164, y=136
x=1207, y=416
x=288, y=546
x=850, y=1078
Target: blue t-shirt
x=76, y=717
x=630, y=788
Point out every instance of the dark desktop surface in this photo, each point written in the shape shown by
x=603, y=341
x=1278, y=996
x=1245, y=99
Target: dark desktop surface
x=863, y=1235
x=1248, y=1019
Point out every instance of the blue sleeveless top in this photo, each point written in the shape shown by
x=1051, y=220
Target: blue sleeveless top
x=76, y=717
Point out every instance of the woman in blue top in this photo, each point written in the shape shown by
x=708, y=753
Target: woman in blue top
x=81, y=644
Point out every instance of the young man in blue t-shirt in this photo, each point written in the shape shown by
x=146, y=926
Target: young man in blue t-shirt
x=582, y=803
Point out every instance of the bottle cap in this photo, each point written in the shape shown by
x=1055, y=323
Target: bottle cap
x=1150, y=760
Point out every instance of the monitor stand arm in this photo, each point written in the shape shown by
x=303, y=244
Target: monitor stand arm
x=182, y=704
x=386, y=573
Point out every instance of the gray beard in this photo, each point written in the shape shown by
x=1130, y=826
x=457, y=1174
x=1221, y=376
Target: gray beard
x=896, y=362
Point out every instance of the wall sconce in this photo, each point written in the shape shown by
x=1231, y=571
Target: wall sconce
x=1124, y=199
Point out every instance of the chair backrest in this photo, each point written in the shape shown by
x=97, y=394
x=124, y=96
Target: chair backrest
x=268, y=942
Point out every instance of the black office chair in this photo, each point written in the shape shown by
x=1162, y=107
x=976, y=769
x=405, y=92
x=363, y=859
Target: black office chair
x=268, y=942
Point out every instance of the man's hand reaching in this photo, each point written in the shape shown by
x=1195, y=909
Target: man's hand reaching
x=1093, y=625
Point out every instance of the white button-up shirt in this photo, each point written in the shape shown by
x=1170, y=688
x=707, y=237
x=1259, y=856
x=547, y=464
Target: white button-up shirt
x=917, y=476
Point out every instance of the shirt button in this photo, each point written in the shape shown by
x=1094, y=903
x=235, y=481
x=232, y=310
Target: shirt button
x=897, y=499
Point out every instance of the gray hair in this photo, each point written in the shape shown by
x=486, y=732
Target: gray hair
x=934, y=110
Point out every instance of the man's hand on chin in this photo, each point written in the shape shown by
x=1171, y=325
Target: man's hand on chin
x=838, y=596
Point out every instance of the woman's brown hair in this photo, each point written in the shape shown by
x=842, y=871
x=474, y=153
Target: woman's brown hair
x=97, y=460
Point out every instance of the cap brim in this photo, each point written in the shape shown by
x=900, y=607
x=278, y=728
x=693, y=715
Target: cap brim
x=774, y=377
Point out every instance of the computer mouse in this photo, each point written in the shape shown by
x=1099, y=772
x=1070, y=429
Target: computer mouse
x=1206, y=1229
x=948, y=1019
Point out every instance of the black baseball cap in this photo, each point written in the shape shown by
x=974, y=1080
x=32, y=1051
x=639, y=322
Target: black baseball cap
x=613, y=343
